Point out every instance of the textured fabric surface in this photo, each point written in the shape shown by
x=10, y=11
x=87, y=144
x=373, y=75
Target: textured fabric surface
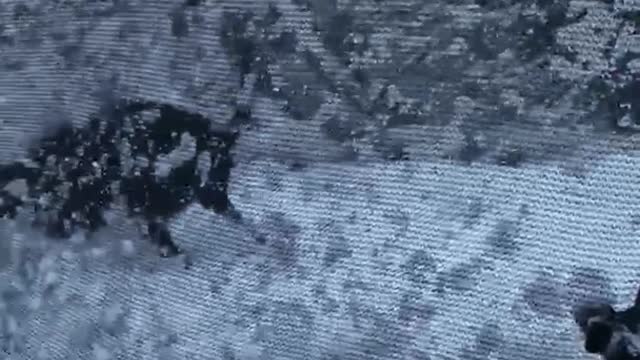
x=412, y=179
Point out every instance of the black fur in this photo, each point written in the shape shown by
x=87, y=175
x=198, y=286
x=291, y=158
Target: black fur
x=88, y=163
x=609, y=332
x=597, y=337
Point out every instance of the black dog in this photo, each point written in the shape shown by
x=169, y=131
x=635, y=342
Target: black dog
x=610, y=333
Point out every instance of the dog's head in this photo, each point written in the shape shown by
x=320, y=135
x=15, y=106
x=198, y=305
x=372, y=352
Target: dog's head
x=597, y=323
x=606, y=332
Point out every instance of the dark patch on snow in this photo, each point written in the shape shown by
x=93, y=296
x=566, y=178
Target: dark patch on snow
x=340, y=26
x=362, y=77
x=407, y=119
x=396, y=152
x=533, y=36
x=240, y=46
x=302, y=102
x=71, y=53
x=241, y=117
x=193, y=2
x=251, y=45
x=542, y=294
x=285, y=43
x=80, y=172
x=21, y=11
x=337, y=250
x=618, y=103
x=179, y=23
x=160, y=236
x=488, y=40
x=632, y=16
x=271, y=17
x=341, y=130
x=9, y=204
x=503, y=240
x=511, y=158
x=462, y=277
x=471, y=150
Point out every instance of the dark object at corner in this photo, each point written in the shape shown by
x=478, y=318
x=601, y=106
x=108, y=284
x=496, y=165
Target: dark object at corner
x=610, y=333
